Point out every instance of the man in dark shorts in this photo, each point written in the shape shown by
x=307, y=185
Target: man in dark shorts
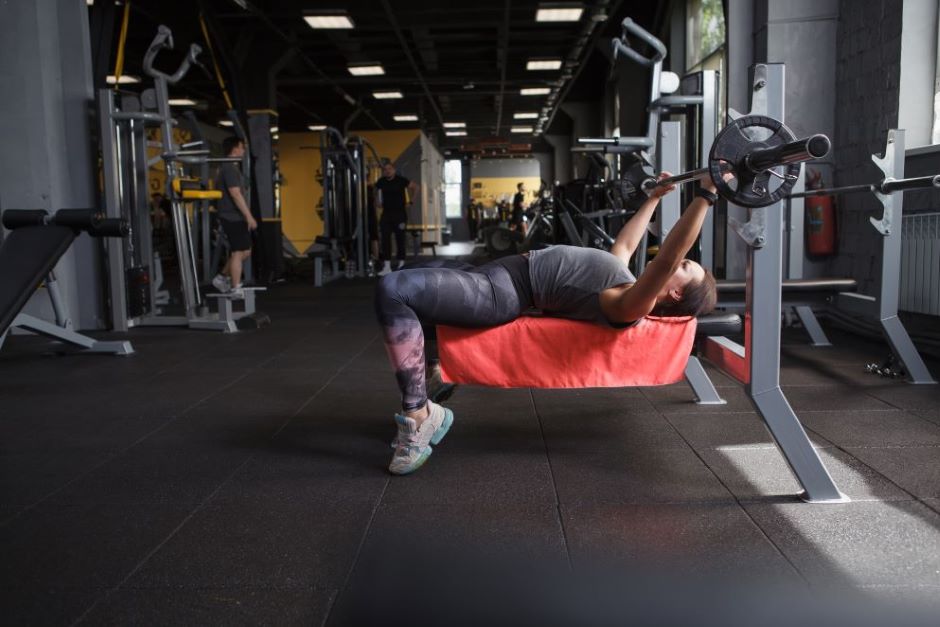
x=390, y=198
x=235, y=218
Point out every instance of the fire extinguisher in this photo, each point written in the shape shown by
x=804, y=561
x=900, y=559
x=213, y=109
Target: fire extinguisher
x=820, y=220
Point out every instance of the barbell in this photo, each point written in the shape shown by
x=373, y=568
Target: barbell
x=885, y=186
x=749, y=149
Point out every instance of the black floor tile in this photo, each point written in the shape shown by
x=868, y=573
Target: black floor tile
x=699, y=541
x=299, y=605
x=763, y=474
x=914, y=468
x=872, y=428
x=734, y=429
x=861, y=543
x=908, y=396
x=635, y=476
x=58, y=560
x=259, y=542
x=832, y=398
x=678, y=398
x=463, y=561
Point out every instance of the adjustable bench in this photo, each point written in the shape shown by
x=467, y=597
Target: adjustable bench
x=28, y=255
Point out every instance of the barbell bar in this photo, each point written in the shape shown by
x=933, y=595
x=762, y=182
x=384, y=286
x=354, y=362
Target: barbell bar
x=885, y=186
x=752, y=161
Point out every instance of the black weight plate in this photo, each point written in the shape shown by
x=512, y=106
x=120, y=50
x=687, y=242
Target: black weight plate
x=728, y=153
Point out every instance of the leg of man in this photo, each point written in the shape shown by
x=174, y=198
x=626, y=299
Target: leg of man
x=400, y=234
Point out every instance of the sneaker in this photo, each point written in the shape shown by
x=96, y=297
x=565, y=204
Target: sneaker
x=237, y=291
x=222, y=283
x=414, y=444
x=386, y=268
x=401, y=264
x=438, y=392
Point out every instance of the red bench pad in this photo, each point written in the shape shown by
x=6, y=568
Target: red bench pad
x=542, y=352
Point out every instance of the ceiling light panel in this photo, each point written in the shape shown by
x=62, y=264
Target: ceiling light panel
x=455, y=125
x=534, y=91
x=405, y=118
x=329, y=20
x=521, y=129
x=543, y=64
x=387, y=95
x=455, y=133
x=525, y=115
x=559, y=13
x=366, y=69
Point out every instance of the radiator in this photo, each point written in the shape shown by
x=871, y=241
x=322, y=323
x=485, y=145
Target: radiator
x=920, y=264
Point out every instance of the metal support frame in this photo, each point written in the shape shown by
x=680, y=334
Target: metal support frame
x=62, y=330
x=764, y=274
x=885, y=306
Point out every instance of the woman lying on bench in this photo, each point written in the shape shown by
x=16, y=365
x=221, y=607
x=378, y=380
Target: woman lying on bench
x=563, y=281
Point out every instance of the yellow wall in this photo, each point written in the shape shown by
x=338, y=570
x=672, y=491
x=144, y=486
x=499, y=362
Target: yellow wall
x=301, y=193
x=490, y=190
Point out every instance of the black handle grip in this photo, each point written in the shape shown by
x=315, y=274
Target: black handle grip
x=78, y=219
x=16, y=218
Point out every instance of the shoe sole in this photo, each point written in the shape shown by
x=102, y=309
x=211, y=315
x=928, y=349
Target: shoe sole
x=418, y=464
x=444, y=428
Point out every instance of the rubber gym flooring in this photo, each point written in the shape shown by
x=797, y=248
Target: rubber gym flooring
x=241, y=479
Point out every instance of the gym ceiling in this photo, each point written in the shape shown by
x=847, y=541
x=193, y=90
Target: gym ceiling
x=460, y=61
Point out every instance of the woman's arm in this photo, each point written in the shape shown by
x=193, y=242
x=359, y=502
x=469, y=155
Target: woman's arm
x=631, y=234
x=640, y=299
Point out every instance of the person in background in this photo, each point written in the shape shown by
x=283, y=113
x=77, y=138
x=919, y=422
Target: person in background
x=517, y=220
x=390, y=197
x=235, y=218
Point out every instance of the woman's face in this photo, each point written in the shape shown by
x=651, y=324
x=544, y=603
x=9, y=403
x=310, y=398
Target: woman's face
x=687, y=272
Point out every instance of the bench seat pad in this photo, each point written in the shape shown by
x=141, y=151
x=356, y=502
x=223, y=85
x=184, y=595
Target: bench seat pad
x=544, y=352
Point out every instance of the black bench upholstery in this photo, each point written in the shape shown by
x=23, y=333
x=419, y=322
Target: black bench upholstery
x=718, y=324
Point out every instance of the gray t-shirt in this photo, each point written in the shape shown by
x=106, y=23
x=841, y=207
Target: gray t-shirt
x=229, y=176
x=567, y=280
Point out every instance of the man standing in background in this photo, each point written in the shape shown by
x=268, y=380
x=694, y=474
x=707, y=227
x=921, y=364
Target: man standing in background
x=390, y=198
x=235, y=218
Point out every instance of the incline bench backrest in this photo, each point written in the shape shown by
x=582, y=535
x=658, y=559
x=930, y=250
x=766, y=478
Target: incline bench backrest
x=27, y=255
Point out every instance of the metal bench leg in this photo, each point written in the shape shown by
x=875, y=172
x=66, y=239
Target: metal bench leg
x=701, y=384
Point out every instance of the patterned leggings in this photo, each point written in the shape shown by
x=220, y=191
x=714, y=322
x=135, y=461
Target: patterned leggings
x=444, y=292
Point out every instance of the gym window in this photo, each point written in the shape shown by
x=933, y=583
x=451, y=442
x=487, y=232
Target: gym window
x=453, y=183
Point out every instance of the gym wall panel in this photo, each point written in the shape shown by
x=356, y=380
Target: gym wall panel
x=392, y=145
x=300, y=192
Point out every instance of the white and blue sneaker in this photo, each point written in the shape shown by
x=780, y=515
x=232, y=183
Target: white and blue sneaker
x=414, y=443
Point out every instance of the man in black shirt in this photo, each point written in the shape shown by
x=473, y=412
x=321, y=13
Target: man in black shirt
x=390, y=198
x=516, y=222
x=235, y=218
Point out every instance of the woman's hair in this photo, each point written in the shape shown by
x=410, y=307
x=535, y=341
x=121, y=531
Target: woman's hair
x=698, y=298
